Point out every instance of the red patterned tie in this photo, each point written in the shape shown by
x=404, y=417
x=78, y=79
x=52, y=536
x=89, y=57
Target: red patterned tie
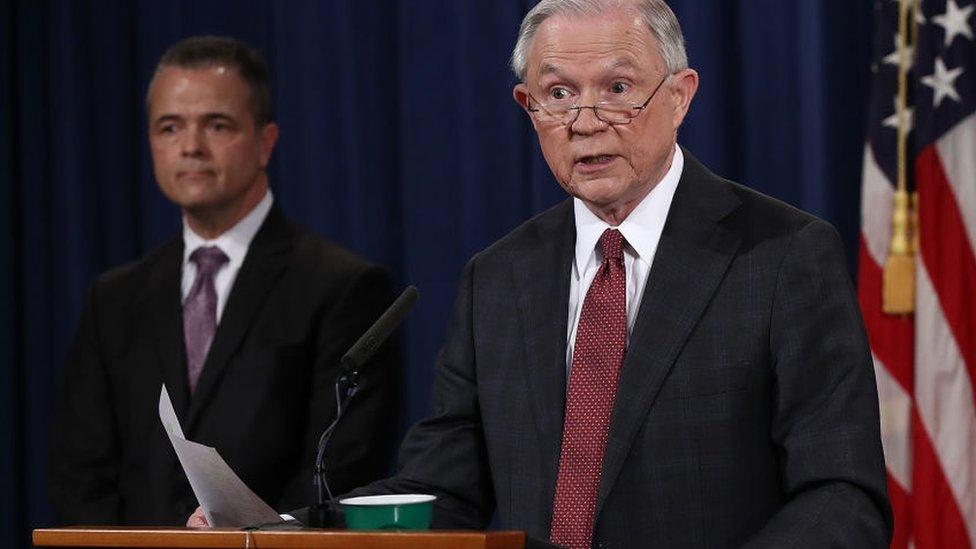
x=601, y=340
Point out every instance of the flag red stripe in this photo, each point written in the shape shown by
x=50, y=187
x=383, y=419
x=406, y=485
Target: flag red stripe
x=937, y=522
x=901, y=507
x=892, y=338
x=948, y=254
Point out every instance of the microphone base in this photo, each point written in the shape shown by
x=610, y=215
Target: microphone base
x=325, y=516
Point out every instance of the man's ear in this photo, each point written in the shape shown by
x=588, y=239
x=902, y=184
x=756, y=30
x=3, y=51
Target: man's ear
x=521, y=95
x=682, y=88
x=269, y=136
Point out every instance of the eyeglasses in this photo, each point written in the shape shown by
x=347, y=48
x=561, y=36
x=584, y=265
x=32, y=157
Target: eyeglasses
x=610, y=112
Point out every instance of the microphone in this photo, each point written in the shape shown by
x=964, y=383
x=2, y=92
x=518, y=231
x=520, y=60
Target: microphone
x=365, y=347
x=322, y=514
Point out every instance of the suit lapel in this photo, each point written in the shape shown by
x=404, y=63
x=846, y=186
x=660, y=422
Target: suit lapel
x=691, y=260
x=160, y=302
x=541, y=274
x=264, y=262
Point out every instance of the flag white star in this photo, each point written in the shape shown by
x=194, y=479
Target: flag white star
x=955, y=21
x=894, y=58
x=919, y=16
x=892, y=121
x=941, y=81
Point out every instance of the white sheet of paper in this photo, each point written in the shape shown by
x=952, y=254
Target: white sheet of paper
x=226, y=500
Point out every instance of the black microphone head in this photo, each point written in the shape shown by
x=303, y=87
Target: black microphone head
x=364, y=349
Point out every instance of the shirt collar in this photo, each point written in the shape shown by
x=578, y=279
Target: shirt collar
x=235, y=241
x=643, y=227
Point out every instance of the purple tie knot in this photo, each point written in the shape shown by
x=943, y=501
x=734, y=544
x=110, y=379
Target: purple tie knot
x=208, y=260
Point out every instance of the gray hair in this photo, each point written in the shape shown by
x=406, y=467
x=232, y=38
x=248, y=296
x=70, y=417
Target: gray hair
x=658, y=16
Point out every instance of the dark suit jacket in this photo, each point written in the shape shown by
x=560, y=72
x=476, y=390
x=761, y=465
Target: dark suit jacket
x=746, y=409
x=263, y=398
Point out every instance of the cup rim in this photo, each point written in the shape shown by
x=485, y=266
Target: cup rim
x=388, y=499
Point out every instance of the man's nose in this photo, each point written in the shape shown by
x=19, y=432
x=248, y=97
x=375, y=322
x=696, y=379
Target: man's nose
x=194, y=142
x=587, y=121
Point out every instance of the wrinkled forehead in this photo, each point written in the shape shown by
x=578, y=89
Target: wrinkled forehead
x=593, y=67
x=612, y=41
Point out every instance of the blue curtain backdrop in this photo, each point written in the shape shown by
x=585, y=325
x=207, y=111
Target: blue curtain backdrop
x=399, y=140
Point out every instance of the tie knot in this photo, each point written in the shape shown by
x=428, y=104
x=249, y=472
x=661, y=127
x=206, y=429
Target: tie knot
x=208, y=259
x=612, y=244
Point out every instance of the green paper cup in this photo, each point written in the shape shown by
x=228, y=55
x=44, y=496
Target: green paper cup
x=394, y=511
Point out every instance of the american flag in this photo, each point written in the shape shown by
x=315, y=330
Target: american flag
x=926, y=361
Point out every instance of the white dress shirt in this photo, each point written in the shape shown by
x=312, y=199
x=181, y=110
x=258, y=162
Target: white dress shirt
x=642, y=231
x=233, y=242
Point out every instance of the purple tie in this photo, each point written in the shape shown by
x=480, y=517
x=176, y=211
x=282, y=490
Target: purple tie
x=200, y=310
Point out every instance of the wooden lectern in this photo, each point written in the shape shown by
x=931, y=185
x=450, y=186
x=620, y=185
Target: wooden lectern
x=271, y=539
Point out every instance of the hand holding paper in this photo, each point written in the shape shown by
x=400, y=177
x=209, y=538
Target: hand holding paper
x=225, y=499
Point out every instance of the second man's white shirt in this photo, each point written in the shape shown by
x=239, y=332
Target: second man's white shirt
x=234, y=243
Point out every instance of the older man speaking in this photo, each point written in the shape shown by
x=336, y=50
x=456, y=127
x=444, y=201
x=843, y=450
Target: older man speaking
x=667, y=359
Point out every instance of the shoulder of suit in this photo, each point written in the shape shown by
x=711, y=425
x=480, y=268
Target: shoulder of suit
x=136, y=273
x=319, y=254
x=316, y=265
x=762, y=216
x=741, y=207
x=742, y=210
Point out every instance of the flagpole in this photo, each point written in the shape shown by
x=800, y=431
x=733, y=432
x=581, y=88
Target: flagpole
x=898, y=284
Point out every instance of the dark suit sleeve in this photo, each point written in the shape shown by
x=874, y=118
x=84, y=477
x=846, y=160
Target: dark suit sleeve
x=445, y=453
x=83, y=452
x=825, y=406
x=362, y=445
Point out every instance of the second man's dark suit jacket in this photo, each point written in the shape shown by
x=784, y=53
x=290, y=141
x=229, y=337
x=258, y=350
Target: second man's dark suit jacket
x=746, y=410
x=263, y=398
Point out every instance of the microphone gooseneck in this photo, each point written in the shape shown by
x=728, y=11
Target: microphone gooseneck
x=346, y=386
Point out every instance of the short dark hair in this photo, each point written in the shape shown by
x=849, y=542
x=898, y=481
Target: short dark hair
x=207, y=51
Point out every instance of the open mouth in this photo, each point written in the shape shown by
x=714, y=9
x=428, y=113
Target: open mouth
x=599, y=159
x=595, y=160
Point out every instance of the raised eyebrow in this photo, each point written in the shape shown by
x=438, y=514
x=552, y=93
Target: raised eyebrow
x=548, y=68
x=622, y=68
x=621, y=63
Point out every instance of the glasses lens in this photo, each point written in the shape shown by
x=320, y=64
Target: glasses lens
x=550, y=113
x=616, y=113
x=611, y=113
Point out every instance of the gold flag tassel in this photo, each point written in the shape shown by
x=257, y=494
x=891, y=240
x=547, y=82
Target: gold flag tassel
x=898, y=283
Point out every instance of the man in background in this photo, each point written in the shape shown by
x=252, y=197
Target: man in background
x=243, y=317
